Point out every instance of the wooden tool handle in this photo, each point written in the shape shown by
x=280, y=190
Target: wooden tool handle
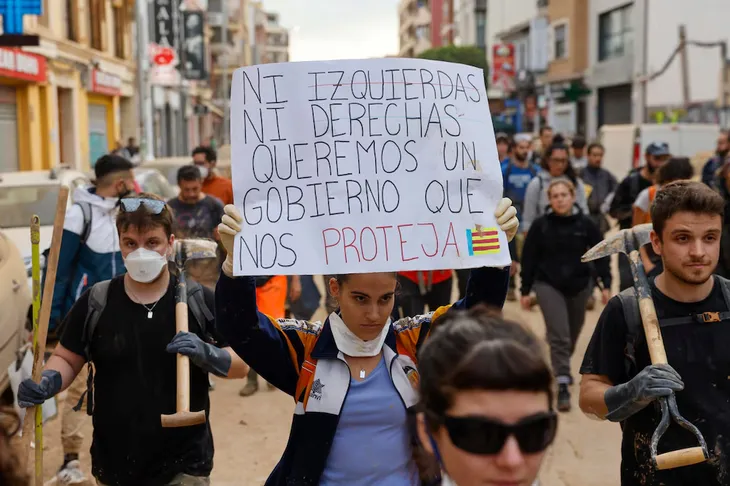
x=41, y=332
x=649, y=319
x=680, y=458
x=183, y=417
x=183, y=363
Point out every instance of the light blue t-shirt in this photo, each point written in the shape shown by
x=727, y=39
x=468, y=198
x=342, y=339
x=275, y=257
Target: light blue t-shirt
x=371, y=444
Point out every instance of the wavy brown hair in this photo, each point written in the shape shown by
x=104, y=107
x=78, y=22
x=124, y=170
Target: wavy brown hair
x=12, y=472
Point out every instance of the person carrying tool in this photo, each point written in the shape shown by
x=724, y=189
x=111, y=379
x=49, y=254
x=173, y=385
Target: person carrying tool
x=126, y=327
x=622, y=204
x=619, y=383
x=89, y=254
x=354, y=378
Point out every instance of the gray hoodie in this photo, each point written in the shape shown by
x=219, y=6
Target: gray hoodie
x=536, y=199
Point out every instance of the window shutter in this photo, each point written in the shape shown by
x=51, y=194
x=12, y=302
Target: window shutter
x=550, y=44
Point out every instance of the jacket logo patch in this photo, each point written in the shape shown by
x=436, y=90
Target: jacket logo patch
x=412, y=375
x=317, y=387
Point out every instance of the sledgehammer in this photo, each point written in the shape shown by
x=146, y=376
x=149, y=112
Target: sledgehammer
x=184, y=251
x=629, y=241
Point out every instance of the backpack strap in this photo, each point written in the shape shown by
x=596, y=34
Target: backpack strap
x=97, y=302
x=632, y=317
x=87, y=213
x=198, y=307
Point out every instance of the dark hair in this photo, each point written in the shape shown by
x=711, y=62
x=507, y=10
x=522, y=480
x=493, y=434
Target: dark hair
x=188, y=173
x=344, y=277
x=502, y=138
x=544, y=129
x=143, y=219
x=684, y=196
x=478, y=350
x=109, y=164
x=210, y=154
x=595, y=145
x=569, y=170
x=578, y=142
x=674, y=169
x=12, y=472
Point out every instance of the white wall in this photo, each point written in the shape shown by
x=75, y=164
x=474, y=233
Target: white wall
x=706, y=21
x=466, y=23
x=503, y=14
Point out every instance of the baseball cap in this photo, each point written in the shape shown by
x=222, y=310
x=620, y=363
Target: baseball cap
x=657, y=149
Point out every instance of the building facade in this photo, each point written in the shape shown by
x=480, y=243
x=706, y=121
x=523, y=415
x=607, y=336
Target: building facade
x=69, y=100
x=277, y=40
x=425, y=24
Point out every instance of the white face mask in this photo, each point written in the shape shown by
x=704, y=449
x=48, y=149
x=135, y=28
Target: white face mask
x=350, y=344
x=204, y=171
x=144, y=265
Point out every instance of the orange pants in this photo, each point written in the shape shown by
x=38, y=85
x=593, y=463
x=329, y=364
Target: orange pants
x=271, y=298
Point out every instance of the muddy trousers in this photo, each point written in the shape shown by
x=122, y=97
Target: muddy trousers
x=72, y=421
x=181, y=480
x=564, y=317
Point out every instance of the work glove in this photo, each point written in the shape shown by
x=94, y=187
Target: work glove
x=652, y=382
x=506, y=216
x=228, y=229
x=31, y=393
x=203, y=355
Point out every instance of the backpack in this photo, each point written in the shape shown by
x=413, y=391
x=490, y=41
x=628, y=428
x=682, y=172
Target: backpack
x=97, y=302
x=635, y=336
x=85, y=232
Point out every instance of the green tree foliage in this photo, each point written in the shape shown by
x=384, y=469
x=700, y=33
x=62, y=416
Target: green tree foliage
x=470, y=55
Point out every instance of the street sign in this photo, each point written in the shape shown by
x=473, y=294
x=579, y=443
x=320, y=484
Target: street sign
x=12, y=12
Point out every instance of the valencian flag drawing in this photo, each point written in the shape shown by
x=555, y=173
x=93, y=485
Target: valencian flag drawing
x=482, y=241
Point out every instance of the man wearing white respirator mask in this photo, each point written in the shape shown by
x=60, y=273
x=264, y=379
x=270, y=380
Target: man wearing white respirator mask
x=354, y=378
x=133, y=346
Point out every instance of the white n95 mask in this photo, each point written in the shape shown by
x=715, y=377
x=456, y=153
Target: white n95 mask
x=144, y=265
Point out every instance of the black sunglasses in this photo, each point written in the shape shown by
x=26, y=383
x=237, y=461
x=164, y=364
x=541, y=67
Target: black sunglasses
x=131, y=204
x=484, y=436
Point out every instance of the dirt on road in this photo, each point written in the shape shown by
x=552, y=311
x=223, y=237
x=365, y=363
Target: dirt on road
x=251, y=433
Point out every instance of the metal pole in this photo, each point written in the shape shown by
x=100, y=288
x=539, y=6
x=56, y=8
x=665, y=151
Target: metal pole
x=146, y=134
x=226, y=94
x=684, y=66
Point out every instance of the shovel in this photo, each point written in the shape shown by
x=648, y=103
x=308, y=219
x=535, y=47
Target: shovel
x=629, y=241
x=185, y=251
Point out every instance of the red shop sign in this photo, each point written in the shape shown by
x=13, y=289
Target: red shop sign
x=105, y=83
x=18, y=64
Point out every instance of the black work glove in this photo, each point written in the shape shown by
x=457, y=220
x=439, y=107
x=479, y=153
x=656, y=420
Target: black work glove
x=31, y=393
x=652, y=382
x=206, y=356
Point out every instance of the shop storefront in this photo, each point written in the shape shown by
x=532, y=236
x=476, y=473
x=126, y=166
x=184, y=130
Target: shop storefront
x=20, y=74
x=103, y=89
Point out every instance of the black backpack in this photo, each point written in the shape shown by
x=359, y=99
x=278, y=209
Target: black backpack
x=97, y=302
x=635, y=336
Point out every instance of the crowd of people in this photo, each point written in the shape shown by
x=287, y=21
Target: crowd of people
x=428, y=392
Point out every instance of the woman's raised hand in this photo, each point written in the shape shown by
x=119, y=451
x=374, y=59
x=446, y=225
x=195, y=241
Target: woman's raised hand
x=228, y=228
x=506, y=215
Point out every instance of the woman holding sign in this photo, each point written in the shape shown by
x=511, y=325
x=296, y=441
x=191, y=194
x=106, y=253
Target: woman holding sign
x=486, y=411
x=354, y=378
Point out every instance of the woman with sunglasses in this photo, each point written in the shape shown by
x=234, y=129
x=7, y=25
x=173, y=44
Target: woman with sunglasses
x=126, y=327
x=353, y=378
x=555, y=164
x=486, y=400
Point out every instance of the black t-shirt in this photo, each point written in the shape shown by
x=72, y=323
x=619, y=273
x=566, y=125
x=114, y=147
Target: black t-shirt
x=196, y=220
x=135, y=383
x=699, y=353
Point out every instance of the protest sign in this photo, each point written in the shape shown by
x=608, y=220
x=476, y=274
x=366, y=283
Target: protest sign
x=364, y=166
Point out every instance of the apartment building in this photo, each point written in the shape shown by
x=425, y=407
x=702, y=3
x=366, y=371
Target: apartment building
x=425, y=24
x=71, y=98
